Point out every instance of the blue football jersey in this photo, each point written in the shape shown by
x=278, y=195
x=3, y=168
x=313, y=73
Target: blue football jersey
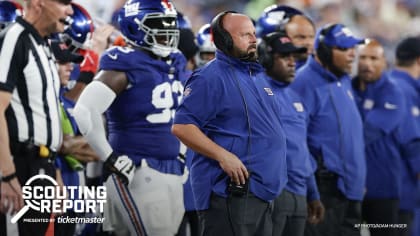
x=140, y=118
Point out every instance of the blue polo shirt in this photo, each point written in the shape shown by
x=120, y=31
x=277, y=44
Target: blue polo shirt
x=300, y=169
x=335, y=129
x=240, y=113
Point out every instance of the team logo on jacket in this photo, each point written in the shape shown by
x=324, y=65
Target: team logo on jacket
x=269, y=91
x=187, y=91
x=415, y=111
x=390, y=106
x=368, y=104
x=298, y=106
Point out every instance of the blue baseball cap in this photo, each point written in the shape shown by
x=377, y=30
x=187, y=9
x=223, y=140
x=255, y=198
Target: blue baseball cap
x=337, y=35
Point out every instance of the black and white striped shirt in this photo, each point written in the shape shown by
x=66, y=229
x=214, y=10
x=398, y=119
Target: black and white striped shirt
x=28, y=71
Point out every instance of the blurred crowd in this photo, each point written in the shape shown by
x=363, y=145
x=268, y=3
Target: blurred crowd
x=385, y=20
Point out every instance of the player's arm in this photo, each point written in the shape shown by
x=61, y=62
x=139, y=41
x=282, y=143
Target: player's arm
x=11, y=194
x=92, y=103
x=192, y=136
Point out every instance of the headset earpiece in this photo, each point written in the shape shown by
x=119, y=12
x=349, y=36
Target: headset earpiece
x=323, y=51
x=221, y=37
x=265, y=53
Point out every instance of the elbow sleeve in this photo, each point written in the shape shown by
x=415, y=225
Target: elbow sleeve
x=92, y=103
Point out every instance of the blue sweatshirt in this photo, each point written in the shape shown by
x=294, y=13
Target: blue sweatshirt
x=335, y=129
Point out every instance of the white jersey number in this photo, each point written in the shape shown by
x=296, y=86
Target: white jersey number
x=162, y=98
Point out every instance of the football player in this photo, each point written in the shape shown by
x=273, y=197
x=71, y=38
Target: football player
x=138, y=87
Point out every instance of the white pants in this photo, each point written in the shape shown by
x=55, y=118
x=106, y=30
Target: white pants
x=153, y=203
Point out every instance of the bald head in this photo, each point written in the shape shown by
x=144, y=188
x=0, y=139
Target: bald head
x=242, y=32
x=373, y=43
x=301, y=31
x=233, y=21
x=372, y=62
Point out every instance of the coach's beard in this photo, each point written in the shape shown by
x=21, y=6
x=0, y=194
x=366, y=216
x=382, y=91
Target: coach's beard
x=250, y=56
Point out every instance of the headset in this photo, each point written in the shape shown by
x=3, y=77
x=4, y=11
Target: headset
x=323, y=51
x=221, y=37
x=265, y=51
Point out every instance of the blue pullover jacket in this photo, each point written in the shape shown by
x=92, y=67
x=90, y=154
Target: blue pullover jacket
x=383, y=110
x=300, y=168
x=240, y=113
x=335, y=129
x=410, y=188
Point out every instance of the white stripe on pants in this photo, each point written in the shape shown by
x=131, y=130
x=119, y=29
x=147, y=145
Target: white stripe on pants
x=154, y=199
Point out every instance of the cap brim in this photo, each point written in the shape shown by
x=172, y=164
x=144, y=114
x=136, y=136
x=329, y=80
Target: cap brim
x=291, y=49
x=349, y=42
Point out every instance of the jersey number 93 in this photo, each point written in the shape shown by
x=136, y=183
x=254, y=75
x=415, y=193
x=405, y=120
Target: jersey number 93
x=162, y=98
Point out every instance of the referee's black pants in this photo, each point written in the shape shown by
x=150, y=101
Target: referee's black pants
x=28, y=163
x=341, y=214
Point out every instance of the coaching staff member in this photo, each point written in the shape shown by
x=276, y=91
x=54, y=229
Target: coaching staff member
x=29, y=115
x=335, y=130
x=237, y=134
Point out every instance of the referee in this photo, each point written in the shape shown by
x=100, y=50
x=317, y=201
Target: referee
x=29, y=111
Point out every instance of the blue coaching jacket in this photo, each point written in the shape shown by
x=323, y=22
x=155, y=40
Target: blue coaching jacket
x=383, y=110
x=335, y=129
x=238, y=112
x=300, y=168
x=410, y=192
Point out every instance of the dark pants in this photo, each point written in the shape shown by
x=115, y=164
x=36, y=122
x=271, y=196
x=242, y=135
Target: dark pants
x=381, y=211
x=289, y=214
x=28, y=163
x=405, y=217
x=341, y=214
x=3, y=229
x=236, y=216
x=65, y=229
x=190, y=219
